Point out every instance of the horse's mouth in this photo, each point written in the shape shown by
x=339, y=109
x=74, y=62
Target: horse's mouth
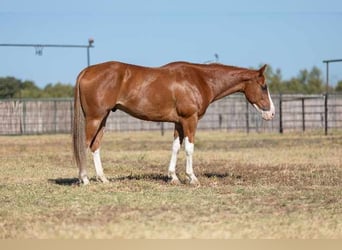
x=266, y=114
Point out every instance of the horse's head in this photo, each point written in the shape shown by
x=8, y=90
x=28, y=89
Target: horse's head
x=258, y=95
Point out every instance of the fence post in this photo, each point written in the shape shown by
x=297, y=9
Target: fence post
x=247, y=117
x=162, y=128
x=24, y=118
x=303, y=114
x=55, y=116
x=280, y=114
x=220, y=119
x=71, y=115
x=20, y=117
x=326, y=114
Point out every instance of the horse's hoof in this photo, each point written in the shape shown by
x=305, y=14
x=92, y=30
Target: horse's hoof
x=175, y=182
x=173, y=178
x=195, y=183
x=85, y=181
x=102, y=179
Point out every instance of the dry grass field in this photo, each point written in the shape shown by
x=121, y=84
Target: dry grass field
x=252, y=186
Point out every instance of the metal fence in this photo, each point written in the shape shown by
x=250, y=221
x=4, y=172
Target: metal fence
x=232, y=113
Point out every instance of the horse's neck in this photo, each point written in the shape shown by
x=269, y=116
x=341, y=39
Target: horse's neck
x=226, y=81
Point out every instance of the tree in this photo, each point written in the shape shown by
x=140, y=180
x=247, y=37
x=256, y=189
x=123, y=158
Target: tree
x=296, y=84
x=339, y=86
x=306, y=82
x=58, y=90
x=314, y=81
x=9, y=87
x=29, y=90
x=274, y=80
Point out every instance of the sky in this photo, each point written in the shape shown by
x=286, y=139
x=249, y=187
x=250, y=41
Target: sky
x=290, y=35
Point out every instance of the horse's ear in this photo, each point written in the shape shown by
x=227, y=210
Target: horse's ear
x=262, y=70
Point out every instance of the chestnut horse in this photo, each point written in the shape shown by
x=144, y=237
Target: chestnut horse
x=178, y=92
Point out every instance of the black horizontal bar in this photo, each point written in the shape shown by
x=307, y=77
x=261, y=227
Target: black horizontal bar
x=332, y=60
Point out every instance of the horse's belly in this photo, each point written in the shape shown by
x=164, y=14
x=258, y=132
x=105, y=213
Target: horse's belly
x=150, y=112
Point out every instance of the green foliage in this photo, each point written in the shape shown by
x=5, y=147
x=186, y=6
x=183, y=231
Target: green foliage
x=306, y=82
x=339, y=86
x=28, y=89
x=274, y=80
x=315, y=82
x=11, y=87
x=58, y=90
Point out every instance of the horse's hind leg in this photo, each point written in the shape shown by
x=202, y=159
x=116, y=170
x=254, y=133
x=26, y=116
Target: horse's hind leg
x=178, y=139
x=95, y=148
x=189, y=127
x=95, y=131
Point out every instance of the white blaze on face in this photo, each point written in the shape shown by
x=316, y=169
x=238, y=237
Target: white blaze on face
x=268, y=114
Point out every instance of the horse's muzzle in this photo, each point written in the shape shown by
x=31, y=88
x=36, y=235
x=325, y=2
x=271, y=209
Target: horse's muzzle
x=266, y=114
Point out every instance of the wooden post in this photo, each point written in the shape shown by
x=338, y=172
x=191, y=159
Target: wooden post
x=280, y=114
x=247, y=118
x=326, y=114
x=162, y=128
x=303, y=114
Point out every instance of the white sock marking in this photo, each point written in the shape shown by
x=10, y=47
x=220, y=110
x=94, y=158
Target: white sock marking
x=173, y=161
x=189, y=150
x=97, y=163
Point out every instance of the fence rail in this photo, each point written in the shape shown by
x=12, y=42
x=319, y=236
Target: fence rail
x=232, y=113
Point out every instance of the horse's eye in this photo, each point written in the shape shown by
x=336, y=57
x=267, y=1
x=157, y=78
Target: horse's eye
x=264, y=87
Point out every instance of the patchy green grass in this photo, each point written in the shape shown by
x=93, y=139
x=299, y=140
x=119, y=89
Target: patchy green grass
x=252, y=186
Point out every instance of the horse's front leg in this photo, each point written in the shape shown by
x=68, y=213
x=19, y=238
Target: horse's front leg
x=189, y=150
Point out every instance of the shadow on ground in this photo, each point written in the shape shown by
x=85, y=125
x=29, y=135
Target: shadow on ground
x=162, y=178
x=147, y=177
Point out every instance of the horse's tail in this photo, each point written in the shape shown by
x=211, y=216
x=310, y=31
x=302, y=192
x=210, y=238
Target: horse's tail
x=79, y=141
